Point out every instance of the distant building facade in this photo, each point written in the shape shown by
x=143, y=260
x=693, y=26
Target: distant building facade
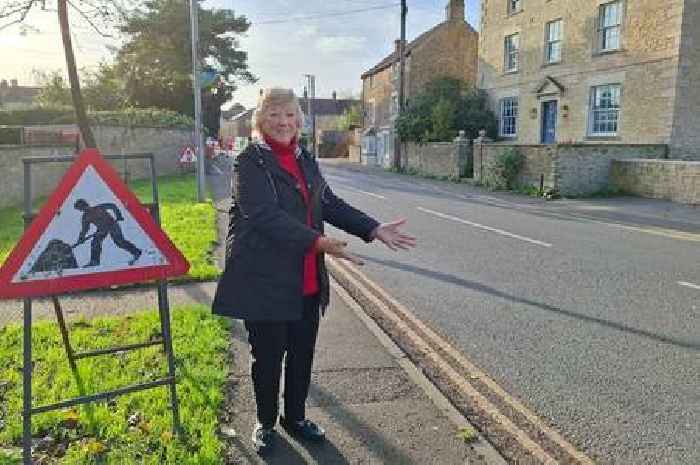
x=328, y=113
x=599, y=71
x=16, y=97
x=447, y=50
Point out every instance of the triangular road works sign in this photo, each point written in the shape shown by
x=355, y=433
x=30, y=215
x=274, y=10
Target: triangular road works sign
x=91, y=233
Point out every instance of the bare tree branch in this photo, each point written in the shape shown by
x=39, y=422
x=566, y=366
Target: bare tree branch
x=89, y=21
x=19, y=9
x=100, y=11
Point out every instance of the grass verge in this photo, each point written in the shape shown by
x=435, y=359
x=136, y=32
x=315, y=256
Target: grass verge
x=190, y=225
x=131, y=429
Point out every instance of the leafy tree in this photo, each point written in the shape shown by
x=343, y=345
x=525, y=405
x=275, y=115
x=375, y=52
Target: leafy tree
x=445, y=107
x=54, y=91
x=443, y=118
x=351, y=117
x=156, y=62
x=102, y=90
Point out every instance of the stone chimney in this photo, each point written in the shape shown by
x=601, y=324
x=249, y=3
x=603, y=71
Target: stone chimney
x=397, y=45
x=14, y=83
x=454, y=11
x=335, y=95
x=3, y=84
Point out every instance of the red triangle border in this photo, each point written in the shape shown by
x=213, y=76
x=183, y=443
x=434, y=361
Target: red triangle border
x=177, y=265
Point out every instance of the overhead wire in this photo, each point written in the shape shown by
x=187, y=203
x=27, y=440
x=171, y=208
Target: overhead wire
x=326, y=15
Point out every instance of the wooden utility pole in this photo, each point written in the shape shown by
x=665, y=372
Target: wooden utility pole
x=76, y=94
x=402, y=85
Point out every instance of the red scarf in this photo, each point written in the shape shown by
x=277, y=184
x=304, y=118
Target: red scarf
x=287, y=160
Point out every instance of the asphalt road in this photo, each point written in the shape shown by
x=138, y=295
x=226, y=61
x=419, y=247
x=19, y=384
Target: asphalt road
x=587, y=311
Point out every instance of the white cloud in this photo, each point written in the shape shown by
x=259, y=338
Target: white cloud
x=340, y=44
x=307, y=30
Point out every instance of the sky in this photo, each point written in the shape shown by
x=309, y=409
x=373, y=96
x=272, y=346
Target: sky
x=283, y=43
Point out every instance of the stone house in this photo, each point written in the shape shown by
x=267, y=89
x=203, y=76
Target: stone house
x=327, y=112
x=449, y=49
x=16, y=97
x=594, y=71
x=237, y=127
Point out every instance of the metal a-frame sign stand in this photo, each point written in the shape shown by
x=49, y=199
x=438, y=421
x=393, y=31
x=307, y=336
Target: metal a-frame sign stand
x=73, y=356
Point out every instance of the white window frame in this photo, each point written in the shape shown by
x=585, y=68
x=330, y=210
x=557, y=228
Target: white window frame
x=515, y=6
x=394, y=104
x=614, y=110
x=512, y=104
x=511, y=53
x=372, y=112
x=610, y=26
x=551, y=42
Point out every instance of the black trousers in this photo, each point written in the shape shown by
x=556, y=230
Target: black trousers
x=269, y=341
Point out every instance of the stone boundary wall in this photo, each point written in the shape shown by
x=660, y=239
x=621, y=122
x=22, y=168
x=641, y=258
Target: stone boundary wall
x=451, y=159
x=354, y=153
x=165, y=144
x=570, y=169
x=538, y=162
x=584, y=169
x=674, y=180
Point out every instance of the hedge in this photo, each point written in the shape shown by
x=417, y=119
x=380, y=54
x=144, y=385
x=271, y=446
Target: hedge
x=10, y=135
x=139, y=117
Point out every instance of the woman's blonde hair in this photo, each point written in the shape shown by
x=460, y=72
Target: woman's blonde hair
x=271, y=97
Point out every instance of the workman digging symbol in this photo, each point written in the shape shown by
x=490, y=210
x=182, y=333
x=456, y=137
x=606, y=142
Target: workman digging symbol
x=107, y=225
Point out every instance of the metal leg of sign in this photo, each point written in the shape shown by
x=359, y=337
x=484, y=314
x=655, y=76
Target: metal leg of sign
x=27, y=382
x=164, y=310
x=64, y=332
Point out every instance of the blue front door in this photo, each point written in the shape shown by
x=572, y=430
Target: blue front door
x=549, y=122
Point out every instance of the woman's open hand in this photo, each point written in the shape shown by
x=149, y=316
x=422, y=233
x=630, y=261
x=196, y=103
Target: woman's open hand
x=392, y=237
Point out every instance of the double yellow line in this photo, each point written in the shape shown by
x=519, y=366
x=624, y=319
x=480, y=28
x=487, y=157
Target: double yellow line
x=453, y=365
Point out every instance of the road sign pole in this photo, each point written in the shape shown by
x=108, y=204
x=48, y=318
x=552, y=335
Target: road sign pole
x=198, y=142
x=27, y=364
x=27, y=384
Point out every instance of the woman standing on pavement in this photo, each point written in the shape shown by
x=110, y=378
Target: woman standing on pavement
x=275, y=278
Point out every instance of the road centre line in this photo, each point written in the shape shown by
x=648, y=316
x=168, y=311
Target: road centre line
x=690, y=285
x=484, y=227
x=352, y=189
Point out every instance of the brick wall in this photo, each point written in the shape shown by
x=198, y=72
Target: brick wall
x=451, y=51
x=165, y=144
x=377, y=91
x=660, y=179
x=570, y=169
